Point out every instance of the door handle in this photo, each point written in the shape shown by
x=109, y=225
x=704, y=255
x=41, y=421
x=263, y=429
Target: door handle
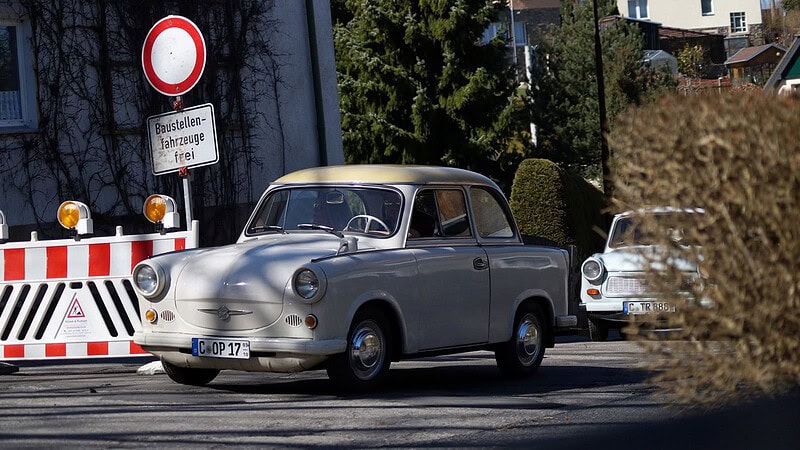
x=479, y=264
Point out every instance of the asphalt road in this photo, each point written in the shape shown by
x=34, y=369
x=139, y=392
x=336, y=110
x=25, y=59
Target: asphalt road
x=585, y=393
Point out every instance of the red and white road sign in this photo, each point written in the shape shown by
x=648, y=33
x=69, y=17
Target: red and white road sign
x=174, y=55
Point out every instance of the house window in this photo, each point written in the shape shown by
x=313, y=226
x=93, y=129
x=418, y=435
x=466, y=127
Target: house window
x=707, y=7
x=491, y=31
x=16, y=74
x=637, y=9
x=520, y=37
x=738, y=22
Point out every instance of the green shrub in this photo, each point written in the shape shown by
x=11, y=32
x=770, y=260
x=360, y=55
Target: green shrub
x=553, y=205
x=738, y=157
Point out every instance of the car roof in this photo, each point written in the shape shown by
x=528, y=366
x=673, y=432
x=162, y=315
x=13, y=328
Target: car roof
x=660, y=210
x=385, y=174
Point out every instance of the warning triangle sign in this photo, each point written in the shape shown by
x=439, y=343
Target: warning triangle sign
x=75, y=310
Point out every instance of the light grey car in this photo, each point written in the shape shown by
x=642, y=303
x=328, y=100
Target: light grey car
x=350, y=268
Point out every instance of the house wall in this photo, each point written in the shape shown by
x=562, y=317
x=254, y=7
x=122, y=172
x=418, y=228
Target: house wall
x=687, y=14
x=284, y=131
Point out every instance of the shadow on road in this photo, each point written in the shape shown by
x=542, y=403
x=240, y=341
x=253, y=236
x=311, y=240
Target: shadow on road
x=451, y=380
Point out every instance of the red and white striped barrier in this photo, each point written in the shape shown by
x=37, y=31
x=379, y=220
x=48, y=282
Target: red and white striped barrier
x=73, y=299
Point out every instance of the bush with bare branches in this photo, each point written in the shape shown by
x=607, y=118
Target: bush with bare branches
x=737, y=157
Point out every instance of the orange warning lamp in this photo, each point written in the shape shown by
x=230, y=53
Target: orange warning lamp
x=74, y=215
x=161, y=209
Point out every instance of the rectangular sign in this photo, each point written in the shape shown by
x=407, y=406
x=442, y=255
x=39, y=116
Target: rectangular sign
x=185, y=138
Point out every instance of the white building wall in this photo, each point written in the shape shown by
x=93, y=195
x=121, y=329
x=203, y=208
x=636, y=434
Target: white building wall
x=687, y=14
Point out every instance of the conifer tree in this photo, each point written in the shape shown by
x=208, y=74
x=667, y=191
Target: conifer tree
x=417, y=85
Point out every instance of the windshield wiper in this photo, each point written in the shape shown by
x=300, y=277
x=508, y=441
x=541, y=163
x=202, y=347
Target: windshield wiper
x=315, y=226
x=259, y=228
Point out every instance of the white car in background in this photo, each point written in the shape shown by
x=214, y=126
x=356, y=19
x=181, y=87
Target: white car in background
x=613, y=283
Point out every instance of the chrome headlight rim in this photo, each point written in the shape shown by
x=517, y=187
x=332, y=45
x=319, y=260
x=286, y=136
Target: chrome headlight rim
x=159, y=279
x=308, y=284
x=592, y=274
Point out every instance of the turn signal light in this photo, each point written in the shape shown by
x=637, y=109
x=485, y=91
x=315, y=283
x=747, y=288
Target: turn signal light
x=74, y=215
x=161, y=209
x=593, y=291
x=151, y=315
x=311, y=321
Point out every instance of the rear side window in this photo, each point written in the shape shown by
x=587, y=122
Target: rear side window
x=439, y=213
x=490, y=218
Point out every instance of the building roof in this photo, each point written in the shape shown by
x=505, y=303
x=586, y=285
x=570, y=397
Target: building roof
x=748, y=53
x=680, y=33
x=384, y=174
x=787, y=62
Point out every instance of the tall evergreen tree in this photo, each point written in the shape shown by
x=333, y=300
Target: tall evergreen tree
x=564, y=88
x=418, y=86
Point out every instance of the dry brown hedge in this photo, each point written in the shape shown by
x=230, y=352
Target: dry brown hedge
x=737, y=157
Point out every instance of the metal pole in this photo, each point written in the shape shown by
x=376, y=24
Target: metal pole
x=601, y=104
x=513, y=38
x=187, y=200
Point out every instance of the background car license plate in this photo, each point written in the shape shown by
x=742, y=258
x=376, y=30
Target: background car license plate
x=647, y=307
x=221, y=348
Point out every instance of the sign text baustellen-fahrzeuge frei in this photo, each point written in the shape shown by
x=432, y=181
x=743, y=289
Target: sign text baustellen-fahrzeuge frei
x=185, y=138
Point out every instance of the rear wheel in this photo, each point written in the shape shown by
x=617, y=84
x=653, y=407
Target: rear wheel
x=192, y=377
x=365, y=363
x=597, y=331
x=522, y=354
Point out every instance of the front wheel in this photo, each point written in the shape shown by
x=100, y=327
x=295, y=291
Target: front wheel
x=522, y=354
x=191, y=377
x=365, y=363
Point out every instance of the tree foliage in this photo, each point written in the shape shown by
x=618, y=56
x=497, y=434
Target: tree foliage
x=418, y=86
x=564, y=90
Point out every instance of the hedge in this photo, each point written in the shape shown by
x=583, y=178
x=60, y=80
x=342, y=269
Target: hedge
x=551, y=205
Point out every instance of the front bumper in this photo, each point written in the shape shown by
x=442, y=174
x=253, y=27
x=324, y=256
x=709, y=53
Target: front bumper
x=277, y=346
x=266, y=354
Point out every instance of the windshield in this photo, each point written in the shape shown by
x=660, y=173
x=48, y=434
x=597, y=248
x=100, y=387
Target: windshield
x=627, y=230
x=370, y=211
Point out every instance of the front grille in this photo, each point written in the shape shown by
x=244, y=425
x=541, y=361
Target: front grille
x=294, y=320
x=626, y=285
x=167, y=316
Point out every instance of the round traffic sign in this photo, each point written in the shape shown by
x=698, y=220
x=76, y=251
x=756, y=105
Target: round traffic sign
x=174, y=55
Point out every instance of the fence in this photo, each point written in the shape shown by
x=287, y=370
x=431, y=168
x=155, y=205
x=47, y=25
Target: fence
x=74, y=299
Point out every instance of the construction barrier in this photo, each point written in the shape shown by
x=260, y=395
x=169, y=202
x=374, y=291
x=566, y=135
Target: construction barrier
x=73, y=299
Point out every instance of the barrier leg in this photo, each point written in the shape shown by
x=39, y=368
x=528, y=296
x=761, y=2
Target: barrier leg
x=6, y=368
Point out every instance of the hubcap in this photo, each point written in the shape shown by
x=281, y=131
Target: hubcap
x=528, y=340
x=367, y=352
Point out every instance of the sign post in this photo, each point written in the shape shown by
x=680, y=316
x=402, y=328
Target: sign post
x=173, y=59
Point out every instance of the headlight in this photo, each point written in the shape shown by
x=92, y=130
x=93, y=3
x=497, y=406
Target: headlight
x=592, y=269
x=306, y=284
x=148, y=280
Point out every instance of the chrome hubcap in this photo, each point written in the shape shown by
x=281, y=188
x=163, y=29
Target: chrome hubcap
x=528, y=340
x=366, y=352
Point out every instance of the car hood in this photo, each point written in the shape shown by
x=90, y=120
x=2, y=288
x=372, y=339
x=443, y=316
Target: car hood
x=635, y=259
x=247, y=279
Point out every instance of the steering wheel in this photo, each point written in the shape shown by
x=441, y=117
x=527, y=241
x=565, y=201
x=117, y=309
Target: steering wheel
x=369, y=220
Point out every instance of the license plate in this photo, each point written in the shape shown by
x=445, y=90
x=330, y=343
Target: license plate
x=647, y=307
x=221, y=348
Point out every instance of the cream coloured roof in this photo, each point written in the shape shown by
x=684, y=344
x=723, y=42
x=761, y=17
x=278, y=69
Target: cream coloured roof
x=385, y=174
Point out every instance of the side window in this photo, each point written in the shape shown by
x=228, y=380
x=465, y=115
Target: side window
x=453, y=213
x=439, y=213
x=490, y=217
x=424, y=222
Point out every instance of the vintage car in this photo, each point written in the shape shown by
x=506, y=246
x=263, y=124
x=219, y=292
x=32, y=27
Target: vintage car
x=349, y=268
x=613, y=283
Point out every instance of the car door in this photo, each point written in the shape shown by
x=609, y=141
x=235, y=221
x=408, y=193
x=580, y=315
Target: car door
x=453, y=271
